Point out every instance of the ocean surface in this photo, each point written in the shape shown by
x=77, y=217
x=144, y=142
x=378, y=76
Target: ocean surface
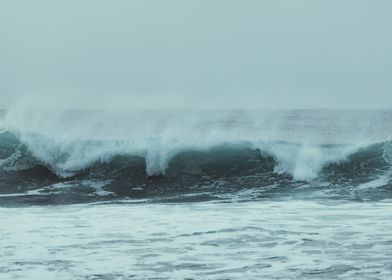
x=196, y=194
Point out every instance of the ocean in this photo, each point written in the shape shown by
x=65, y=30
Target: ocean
x=195, y=194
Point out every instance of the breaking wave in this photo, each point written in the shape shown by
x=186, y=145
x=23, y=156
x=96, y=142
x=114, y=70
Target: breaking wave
x=68, y=159
x=156, y=153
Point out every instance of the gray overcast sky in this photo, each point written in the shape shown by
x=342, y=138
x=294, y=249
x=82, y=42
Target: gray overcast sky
x=204, y=53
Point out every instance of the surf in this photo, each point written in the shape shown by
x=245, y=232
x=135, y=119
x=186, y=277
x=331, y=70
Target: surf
x=152, y=152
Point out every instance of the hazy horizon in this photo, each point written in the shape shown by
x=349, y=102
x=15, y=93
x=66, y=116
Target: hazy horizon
x=201, y=54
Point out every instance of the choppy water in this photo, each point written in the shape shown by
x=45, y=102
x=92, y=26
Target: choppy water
x=196, y=195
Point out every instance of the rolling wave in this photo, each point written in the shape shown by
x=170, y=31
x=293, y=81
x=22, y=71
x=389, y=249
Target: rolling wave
x=91, y=157
x=105, y=158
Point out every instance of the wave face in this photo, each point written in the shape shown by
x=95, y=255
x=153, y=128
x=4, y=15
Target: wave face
x=89, y=155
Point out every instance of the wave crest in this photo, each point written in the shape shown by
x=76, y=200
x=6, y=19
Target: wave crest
x=67, y=159
x=73, y=141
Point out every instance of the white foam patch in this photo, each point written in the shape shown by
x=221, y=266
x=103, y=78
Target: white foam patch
x=381, y=181
x=64, y=187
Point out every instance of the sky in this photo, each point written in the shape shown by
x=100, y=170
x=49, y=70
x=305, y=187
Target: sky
x=196, y=53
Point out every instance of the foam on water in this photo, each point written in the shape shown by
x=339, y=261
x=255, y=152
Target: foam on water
x=253, y=240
